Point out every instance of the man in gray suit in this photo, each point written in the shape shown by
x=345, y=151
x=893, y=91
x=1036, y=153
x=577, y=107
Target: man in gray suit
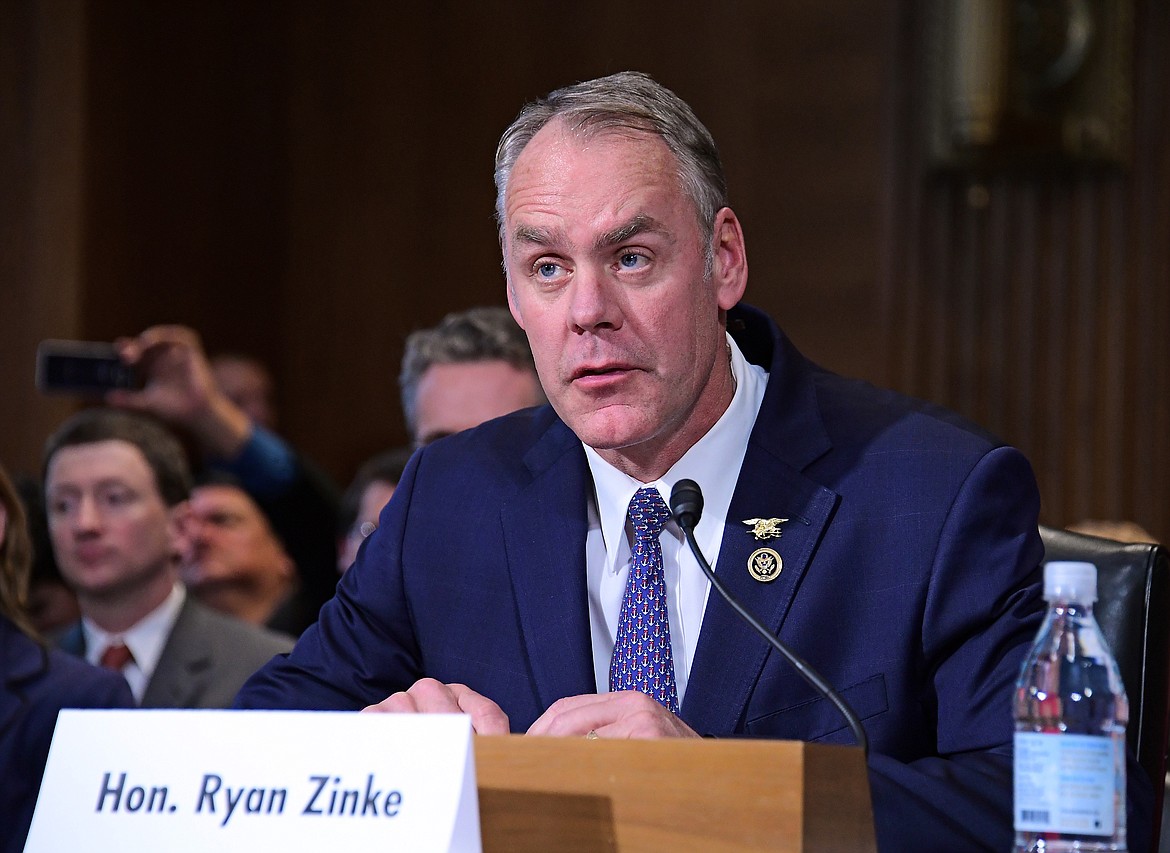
x=116, y=491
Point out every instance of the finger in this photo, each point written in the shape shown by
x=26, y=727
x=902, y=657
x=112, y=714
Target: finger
x=134, y=349
x=434, y=697
x=128, y=349
x=487, y=718
x=577, y=715
x=626, y=714
x=397, y=703
x=125, y=399
x=170, y=334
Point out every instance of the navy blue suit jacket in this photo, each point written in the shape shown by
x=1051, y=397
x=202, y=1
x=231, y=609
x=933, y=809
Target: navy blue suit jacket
x=910, y=581
x=36, y=683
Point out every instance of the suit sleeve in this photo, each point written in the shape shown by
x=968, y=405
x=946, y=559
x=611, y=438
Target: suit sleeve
x=982, y=615
x=362, y=648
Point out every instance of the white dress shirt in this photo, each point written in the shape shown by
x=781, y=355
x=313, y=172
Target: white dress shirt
x=713, y=462
x=145, y=640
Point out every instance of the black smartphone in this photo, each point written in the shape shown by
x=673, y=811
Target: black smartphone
x=82, y=368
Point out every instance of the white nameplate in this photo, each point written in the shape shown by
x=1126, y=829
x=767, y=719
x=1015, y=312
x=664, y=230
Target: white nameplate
x=230, y=781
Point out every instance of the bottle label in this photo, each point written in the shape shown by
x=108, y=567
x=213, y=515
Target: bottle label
x=1065, y=783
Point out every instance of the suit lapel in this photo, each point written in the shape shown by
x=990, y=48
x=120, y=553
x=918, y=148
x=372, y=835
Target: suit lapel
x=184, y=666
x=544, y=530
x=730, y=655
x=789, y=435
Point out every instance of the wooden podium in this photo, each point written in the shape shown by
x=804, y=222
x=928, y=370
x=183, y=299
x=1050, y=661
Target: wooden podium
x=573, y=794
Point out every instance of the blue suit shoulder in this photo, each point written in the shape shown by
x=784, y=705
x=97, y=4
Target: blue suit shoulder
x=36, y=684
x=852, y=416
x=502, y=453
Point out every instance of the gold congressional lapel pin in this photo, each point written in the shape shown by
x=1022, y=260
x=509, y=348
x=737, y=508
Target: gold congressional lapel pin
x=764, y=528
x=764, y=565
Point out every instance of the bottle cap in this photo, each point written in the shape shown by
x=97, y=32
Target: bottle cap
x=1069, y=581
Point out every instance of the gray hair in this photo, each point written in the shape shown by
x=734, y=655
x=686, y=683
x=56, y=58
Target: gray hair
x=627, y=101
x=477, y=334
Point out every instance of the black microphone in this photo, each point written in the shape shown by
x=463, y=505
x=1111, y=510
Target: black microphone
x=686, y=504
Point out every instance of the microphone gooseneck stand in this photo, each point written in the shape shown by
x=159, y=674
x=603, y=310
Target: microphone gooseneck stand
x=686, y=504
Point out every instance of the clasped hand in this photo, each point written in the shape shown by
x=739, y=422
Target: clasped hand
x=626, y=714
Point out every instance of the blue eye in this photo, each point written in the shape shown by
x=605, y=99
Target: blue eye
x=631, y=260
x=547, y=270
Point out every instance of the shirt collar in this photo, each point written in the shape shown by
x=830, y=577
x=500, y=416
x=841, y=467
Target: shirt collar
x=145, y=639
x=713, y=462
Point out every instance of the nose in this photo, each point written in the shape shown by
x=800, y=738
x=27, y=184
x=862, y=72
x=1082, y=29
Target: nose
x=593, y=303
x=87, y=519
x=199, y=533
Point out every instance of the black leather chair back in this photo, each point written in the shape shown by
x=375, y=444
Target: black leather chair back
x=1133, y=610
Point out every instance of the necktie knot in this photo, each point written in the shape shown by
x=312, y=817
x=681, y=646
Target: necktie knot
x=116, y=656
x=648, y=513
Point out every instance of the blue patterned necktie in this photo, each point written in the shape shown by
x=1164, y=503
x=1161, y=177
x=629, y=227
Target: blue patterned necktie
x=642, y=659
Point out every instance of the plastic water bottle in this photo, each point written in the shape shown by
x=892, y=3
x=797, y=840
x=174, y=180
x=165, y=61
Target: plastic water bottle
x=1071, y=711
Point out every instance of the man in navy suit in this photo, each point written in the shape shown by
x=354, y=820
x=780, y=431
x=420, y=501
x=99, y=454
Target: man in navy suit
x=891, y=544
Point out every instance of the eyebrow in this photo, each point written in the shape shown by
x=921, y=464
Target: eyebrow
x=638, y=224
x=223, y=516
x=537, y=236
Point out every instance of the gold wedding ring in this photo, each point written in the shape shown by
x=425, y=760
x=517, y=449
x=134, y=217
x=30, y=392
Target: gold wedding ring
x=592, y=735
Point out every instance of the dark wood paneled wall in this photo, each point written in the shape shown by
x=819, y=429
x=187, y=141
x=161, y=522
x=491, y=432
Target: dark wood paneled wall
x=309, y=181
x=42, y=92
x=1038, y=302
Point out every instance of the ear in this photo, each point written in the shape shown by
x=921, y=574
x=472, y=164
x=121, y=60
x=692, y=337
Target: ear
x=181, y=529
x=729, y=271
x=288, y=568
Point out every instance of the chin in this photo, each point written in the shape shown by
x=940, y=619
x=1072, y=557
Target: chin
x=614, y=438
x=610, y=427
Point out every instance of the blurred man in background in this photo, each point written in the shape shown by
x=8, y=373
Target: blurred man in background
x=233, y=561
x=474, y=366
x=298, y=501
x=116, y=490
x=362, y=503
x=247, y=383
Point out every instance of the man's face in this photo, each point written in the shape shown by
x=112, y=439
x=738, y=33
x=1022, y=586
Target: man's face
x=458, y=396
x=247, y=384
x=112, y=532
x=605, y=264
x=231, y=543
x=374, y=497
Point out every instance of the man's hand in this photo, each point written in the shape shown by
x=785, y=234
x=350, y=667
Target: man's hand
x=428, y=696
x=626, y=714
x=180, y=388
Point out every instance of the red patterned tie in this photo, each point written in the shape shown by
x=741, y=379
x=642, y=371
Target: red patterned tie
x=116, y=656
x=642, y=658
